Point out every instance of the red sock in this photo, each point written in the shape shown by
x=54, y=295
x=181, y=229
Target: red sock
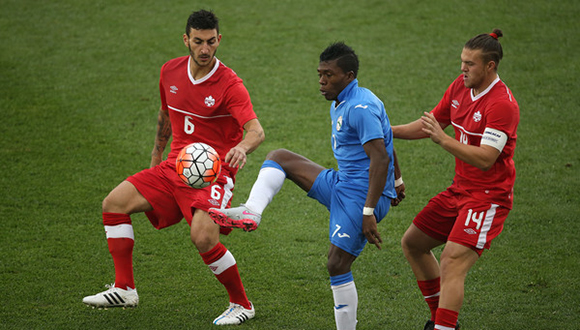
x=430, y=290
x=446, y=319
x=223, y=265
x=121, y=241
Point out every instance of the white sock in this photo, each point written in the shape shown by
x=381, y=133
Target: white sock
x=267, y=185
x=345, y=305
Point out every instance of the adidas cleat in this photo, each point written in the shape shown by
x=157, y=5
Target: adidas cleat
x=235, y=314
x=113, y=297
x=237, y=217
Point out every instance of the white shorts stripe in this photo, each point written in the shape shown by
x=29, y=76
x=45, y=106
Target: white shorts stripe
x=120, y=231
x=225, y=262
x=489, y=215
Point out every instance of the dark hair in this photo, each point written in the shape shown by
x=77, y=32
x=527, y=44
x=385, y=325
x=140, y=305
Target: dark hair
x=345, y=56
x=489, y=44
x=202, y=20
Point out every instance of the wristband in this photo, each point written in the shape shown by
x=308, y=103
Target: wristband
x=399, y=182
x=368, y=210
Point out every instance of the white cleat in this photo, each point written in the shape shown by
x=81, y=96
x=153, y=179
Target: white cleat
x=235, y=314
x=236, y=217
x=113, y=297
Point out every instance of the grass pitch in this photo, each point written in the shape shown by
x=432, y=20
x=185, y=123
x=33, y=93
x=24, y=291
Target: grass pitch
x=79, y=96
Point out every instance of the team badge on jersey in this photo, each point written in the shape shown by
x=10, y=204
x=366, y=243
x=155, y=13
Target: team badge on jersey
x=209, y=101
x=339, y=123
x=477, y=116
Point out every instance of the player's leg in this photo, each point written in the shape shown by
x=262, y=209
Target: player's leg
x=122, y=201
x=343, y=288
x=279, y=165
x=429, y=229
x=205, y=236
x=456, y=260
x=417, y=246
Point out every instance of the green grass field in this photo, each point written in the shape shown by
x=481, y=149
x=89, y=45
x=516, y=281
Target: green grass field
x=79, y=94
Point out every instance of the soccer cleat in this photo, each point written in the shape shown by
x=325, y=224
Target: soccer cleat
x=113, y=297
x=236, y=217
x=235, y=314
x=430, y=325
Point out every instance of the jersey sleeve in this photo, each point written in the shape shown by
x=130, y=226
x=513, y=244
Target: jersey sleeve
x=239, y=103
x=503, y=116
x=365, y=119
x=162, y=89
x=442, y=111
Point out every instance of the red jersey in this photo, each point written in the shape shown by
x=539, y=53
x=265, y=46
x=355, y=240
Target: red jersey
x=497, y=109
x=212, y=109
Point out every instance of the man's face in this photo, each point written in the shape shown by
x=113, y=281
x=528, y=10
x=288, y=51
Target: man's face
x=476, y=74
x=202, y=45
x=332, y=79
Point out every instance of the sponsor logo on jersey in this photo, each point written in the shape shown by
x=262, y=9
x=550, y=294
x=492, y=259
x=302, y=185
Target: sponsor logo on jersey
x=173, y=89
x=455, y=104
x=209, y=101
x=470, y=231
x=477, y=116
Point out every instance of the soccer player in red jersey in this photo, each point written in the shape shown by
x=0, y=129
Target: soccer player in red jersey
x=202, y=100
x=471, y=212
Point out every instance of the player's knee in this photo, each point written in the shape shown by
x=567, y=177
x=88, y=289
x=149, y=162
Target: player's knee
x=338, y=264
x=406, y=244
x=278, y=155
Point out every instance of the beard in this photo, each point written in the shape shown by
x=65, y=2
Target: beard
x=201, y=61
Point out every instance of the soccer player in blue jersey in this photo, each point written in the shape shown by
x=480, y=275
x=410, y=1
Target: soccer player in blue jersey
x=358, y=194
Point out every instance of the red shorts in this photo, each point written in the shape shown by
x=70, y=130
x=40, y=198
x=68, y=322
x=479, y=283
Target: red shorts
x=173, y=200
x=453, y=215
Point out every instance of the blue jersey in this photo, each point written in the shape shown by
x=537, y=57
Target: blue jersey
x=359, y=117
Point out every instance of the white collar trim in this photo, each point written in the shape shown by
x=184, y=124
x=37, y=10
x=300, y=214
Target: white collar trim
x=480, y=95
x=206, y=77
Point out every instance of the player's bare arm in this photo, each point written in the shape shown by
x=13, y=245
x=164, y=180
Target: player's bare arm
x=410, y=131
x=254, y=136
x=378, y=169
x=162, y=137
x=482, y=157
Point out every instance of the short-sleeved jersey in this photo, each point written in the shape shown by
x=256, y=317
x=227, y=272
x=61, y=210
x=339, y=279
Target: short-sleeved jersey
x=357, y=118
x=494, y=108
x=212, y=109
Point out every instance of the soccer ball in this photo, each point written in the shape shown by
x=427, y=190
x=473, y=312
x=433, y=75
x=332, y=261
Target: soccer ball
x=198, y=165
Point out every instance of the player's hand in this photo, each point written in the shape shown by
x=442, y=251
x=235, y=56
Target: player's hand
x=369, y=227
x=236, y=157
x=432, y=128
x=400, y=190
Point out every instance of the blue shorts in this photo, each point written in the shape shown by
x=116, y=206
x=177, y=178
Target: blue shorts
x=345, y=201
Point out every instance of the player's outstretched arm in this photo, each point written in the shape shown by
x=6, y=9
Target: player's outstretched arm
x=161, y=138
x=254, y=136
x=410, y=131
x=482, y=157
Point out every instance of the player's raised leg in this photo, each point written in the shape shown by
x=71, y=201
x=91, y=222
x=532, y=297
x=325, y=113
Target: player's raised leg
x=279, y=165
